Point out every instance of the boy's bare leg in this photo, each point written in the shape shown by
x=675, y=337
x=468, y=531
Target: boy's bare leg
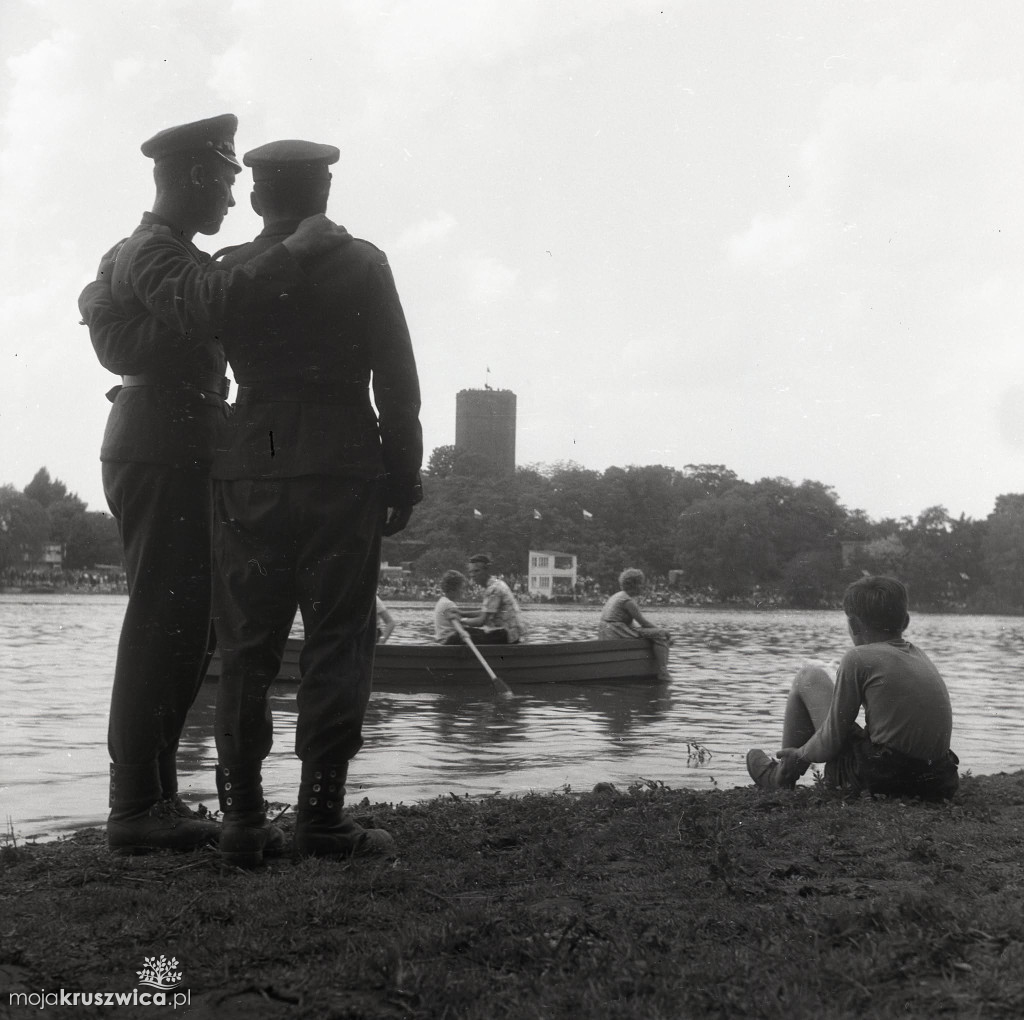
x=807, y=705
x=810, y=695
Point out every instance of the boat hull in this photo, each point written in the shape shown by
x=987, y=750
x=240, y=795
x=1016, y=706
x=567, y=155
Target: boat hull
x=399, y=666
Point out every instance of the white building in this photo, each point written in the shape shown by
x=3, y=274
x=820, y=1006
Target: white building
x=552, y=573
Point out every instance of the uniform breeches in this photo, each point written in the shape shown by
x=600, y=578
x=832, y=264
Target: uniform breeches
x=313, y=543
x=164, y=518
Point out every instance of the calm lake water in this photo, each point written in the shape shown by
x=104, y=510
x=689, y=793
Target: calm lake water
x=730, y=670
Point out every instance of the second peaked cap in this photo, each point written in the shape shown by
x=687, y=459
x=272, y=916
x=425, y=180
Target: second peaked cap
x=292, y=158
x=215, y=134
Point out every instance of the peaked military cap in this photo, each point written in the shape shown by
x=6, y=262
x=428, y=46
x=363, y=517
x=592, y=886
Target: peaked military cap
x=291, y=158
x=215, y=134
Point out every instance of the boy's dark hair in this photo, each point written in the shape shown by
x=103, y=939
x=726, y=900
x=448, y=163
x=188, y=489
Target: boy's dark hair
x=879, y=602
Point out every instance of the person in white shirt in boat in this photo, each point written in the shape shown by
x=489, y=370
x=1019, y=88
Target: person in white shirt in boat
x=500, y=620
x=453, y=587
x=903, y=747
x=621, y=618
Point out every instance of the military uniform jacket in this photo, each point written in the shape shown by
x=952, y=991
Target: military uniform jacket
x=154, y=318
x=304, y=371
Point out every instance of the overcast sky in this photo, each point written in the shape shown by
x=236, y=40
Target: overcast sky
x=786, y=237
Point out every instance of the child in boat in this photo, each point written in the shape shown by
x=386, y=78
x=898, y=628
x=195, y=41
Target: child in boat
x=453, y=586
x=903, y=749
x=621, y=618
x=385, y=622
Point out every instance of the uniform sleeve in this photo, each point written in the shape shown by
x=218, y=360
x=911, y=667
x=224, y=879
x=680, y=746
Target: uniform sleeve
x=832, y=735
x=125, y=345
x=153, y=270
x=396, y=388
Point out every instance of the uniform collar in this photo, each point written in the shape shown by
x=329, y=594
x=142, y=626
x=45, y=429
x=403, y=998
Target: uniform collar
x=151, y=219
x=280, y=228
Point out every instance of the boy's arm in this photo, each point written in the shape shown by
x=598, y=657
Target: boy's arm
x=634, y=612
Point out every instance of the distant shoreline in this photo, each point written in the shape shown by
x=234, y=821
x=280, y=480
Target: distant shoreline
x=531, y=607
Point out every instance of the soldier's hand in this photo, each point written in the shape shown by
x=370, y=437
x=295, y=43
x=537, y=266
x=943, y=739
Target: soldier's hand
x=314, y=235
x=396, y=518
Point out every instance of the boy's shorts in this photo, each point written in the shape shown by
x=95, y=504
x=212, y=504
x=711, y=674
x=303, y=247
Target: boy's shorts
x=878, y=769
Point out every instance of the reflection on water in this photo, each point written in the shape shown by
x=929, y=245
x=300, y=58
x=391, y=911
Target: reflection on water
x=731, y=671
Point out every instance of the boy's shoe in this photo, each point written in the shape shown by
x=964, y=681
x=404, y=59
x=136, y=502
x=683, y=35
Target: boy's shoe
x=764, y=770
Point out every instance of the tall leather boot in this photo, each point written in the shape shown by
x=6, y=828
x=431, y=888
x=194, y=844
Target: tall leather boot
x=245, y=835
x=320, y=831
x=141, y=821
x=167, y=763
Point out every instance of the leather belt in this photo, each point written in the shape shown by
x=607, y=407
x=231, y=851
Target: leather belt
x=302, y=393
x=218, y=386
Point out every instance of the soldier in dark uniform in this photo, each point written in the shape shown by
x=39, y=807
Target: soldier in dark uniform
x=307, y=480
x=152, y=315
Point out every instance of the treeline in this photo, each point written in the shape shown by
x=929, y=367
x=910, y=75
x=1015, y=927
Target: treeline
x=705, y=529
x=701, y=529
x=46, y=513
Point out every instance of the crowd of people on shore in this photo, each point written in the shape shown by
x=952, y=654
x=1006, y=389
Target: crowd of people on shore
x=409, y=588
x=106, y=582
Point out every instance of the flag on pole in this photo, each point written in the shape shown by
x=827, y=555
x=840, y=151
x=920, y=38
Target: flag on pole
x=587, y=515
x=536, y=515
x=477, y=514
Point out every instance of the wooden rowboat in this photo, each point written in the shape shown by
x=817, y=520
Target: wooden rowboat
x=401, y=667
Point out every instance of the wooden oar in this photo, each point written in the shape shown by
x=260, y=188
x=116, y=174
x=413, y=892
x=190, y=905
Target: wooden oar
x=499, y=685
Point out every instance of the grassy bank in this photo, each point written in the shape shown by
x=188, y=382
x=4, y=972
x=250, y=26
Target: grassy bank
x=648, y=903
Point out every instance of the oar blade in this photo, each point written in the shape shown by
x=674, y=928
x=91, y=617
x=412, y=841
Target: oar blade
x=501, y=688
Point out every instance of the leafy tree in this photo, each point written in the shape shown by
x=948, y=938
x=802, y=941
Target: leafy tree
x=441, y=463
x=1003, y=550
x=705, y=480
x=100, y=542
x=880, y=556
x=44, y=490
x=23, y=528
x=434, y=562
x=810, y=579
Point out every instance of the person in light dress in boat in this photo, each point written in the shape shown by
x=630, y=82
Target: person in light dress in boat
x=500, y=620
x=621, y=618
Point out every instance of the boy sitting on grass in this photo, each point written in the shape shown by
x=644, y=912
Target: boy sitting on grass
x=903, y=749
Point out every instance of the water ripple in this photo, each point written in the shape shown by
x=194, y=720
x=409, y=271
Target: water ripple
x=730, y=673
